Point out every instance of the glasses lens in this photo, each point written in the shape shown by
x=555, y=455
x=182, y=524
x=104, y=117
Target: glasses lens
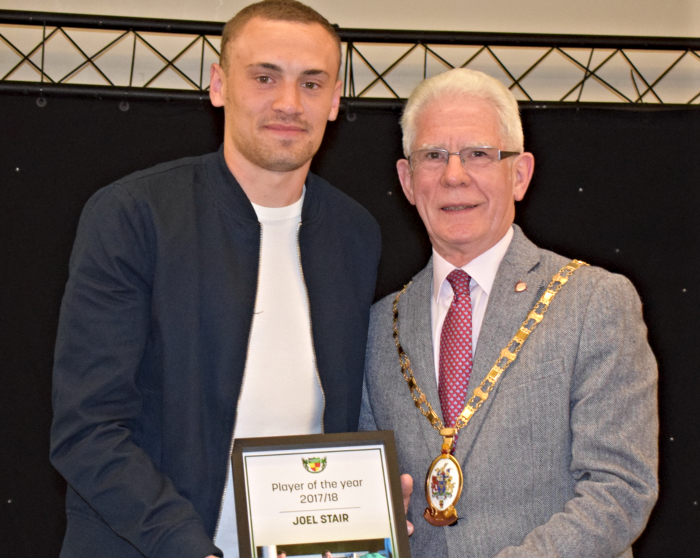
x=428, y=159
x=472, y=157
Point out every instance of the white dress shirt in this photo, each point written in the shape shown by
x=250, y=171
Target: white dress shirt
x=482, y=271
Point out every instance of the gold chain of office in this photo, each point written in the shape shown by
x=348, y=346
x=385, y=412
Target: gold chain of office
x=505, y=359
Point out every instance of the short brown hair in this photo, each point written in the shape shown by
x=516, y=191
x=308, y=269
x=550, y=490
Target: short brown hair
x=273, y=10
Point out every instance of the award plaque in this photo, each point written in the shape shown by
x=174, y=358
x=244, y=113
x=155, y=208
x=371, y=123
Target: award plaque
x=307, y=494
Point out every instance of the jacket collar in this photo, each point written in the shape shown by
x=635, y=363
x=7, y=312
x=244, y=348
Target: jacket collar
x=505, y=312
x=231, y=196
x=415, y=326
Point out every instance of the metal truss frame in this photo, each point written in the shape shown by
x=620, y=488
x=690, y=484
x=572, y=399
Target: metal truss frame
x=546, y=45
x=585, y=60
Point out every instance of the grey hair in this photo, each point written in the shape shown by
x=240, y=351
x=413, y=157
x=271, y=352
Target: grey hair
x=461, y=82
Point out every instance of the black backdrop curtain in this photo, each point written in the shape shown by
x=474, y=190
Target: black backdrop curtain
x=616, y=187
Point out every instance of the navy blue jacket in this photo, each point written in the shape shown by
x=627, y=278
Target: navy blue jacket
x=152, y=344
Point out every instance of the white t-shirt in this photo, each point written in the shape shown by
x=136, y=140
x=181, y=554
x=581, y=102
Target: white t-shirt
x=281, y=394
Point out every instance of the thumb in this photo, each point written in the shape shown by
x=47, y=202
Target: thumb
x=407, y=490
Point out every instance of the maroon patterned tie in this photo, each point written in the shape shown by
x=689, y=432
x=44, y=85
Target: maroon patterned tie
x=456, y=349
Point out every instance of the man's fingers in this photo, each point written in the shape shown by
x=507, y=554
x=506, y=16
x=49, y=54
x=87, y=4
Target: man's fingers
x=407, y=490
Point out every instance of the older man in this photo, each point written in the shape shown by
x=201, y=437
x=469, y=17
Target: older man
x=209, y=299
x=523, y=390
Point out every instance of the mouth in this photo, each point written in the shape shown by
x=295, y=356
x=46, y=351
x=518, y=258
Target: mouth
x=458, y=207
x=286, y=128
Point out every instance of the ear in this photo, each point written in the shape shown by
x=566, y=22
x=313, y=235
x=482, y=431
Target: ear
x=217, y=85
x=523, y=167
x=335, y=104
x=406, y=179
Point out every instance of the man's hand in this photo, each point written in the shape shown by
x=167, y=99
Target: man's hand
x=407, y=490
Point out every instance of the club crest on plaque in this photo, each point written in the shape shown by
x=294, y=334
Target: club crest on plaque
x=314, y=464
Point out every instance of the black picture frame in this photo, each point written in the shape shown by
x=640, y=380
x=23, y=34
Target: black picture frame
x=295, y=444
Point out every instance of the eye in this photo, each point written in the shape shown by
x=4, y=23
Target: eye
x=434, y=155
x=310, y=85
x=263, y=79
x=478, y=153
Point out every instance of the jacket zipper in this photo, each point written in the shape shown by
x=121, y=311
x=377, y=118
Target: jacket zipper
x=240, y=393
x=311, y=332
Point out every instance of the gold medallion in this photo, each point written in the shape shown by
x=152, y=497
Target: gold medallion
x=443, y=487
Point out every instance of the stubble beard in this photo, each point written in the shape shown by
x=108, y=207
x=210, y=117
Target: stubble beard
x=277, y=156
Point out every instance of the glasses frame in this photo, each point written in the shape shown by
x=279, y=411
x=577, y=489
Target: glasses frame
x=501, y=154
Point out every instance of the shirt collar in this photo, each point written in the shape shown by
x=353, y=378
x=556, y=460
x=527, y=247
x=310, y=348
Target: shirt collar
x=481, y=269
x=283, y=213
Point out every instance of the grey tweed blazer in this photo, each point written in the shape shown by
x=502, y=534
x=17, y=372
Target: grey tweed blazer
x=561, y=460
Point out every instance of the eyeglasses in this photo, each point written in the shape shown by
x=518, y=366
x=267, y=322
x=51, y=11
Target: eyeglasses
x=433, y=160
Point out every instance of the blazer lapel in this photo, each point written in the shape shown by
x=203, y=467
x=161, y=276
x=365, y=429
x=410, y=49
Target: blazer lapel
x=505, y=312
x=415, y=335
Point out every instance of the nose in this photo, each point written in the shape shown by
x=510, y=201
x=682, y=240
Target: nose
x=288, y=99
x=454, y=173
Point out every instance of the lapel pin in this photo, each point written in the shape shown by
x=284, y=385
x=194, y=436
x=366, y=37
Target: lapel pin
x=520, y=286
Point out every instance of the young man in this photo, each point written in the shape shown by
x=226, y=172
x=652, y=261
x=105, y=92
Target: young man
x=210, y=298
x=555, y=449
